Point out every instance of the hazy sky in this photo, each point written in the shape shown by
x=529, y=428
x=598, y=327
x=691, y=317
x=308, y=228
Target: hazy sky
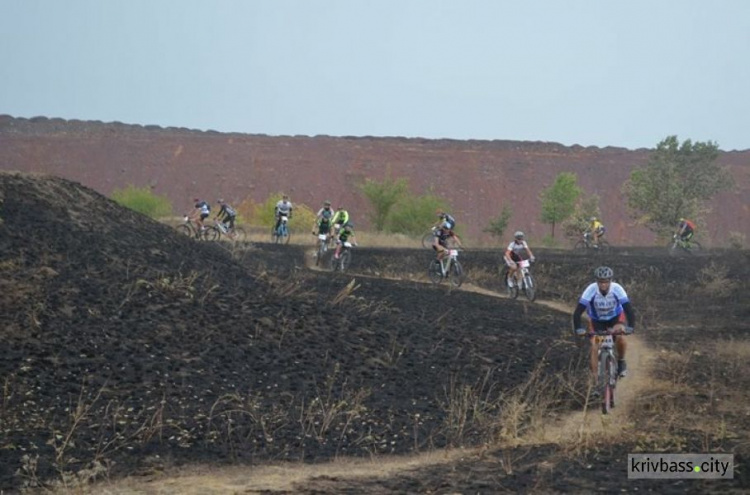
x=597, y=72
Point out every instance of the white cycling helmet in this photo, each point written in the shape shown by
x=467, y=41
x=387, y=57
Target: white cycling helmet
x=518, y=235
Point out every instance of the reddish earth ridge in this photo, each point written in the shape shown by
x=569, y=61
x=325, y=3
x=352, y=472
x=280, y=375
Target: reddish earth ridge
x=476, y=177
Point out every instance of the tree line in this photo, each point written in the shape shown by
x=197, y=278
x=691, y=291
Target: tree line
x=678, y=180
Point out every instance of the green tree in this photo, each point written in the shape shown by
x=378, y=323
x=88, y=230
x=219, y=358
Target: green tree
x=383, y=196
x=143, y=200
x=559, y=200
x=497, y=225
x=414, y=214
x=677, y=181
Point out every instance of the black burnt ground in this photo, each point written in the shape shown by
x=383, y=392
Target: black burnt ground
x=122, y=341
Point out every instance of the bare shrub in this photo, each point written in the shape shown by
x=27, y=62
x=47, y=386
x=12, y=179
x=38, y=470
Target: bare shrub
x=713, y=280
x=737, y=240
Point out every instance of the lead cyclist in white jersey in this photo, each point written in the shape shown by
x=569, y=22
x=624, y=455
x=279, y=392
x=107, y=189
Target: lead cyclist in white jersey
x=608, y=307
x=283, y=208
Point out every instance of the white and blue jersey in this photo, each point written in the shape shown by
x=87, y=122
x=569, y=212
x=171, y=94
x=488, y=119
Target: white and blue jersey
x=604, y=308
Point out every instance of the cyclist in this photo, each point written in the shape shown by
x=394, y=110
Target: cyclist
x=323, y=219
x=608, y=306
x=444, y=217
x=440, y=240
x=685, y=229
x=226, y=215
x=513, y=254
x=597, y=230
x=346, y=235
x=201, y=211
x=340, y=218
x=283, y=208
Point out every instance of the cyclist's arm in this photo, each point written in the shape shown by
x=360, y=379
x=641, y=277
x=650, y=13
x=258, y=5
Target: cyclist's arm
x=629, y=314
x=577, y=315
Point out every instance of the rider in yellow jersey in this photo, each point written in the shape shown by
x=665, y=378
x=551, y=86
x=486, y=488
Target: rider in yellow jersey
x=597, y=230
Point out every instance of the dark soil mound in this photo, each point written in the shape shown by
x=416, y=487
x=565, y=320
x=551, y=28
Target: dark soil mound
x=127, y=346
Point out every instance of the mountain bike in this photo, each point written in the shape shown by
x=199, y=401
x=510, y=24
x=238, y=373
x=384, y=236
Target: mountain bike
x=606, y=378
x=281, y=235
x=220, y=228
x=345, y=258
x=322, y=248
x=678, y=246
x=526, y=284
x=190, y=229
x=586, y=244
x=449, y=267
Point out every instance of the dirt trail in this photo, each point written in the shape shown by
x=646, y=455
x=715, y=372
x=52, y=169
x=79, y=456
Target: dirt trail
x=570, y=429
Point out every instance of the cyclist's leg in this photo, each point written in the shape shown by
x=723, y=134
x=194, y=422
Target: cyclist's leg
x=440, y=251
x=338, y=249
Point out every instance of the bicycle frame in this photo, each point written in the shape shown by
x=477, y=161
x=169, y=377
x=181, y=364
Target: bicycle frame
x=446, y=262
x=192, y=226
x=607, y=366
x=283, y=230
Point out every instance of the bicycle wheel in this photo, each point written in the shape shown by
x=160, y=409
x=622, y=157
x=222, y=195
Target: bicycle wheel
x=456, y=275
x=528, y=287
x=334, y=263
x=580, y=247
x=345, y=261
x=211, y=234
x=512, y=290
x=239, y=234
x=435, y=272
x=694, y=247
x=673, y=248
x=286, y=235
x=320, y=252
x=604, y=247
x=607, y=375
x=185, y=229
x=427, y=240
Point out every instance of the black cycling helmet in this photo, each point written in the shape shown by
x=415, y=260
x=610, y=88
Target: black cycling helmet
x=349, y=226
x=604, y=273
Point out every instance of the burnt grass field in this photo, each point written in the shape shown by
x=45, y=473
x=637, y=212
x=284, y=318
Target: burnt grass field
x=129, y=349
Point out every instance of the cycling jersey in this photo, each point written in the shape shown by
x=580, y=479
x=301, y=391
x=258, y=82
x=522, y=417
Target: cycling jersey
x=324, y=214
x=344, y=235
x=442, y=236
x=227, y=211
x=602, y=308
x=341, y=217
x=687, y=225
x=284, y=208
x=597, y=227
x=515, y=249
x=203, y=207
